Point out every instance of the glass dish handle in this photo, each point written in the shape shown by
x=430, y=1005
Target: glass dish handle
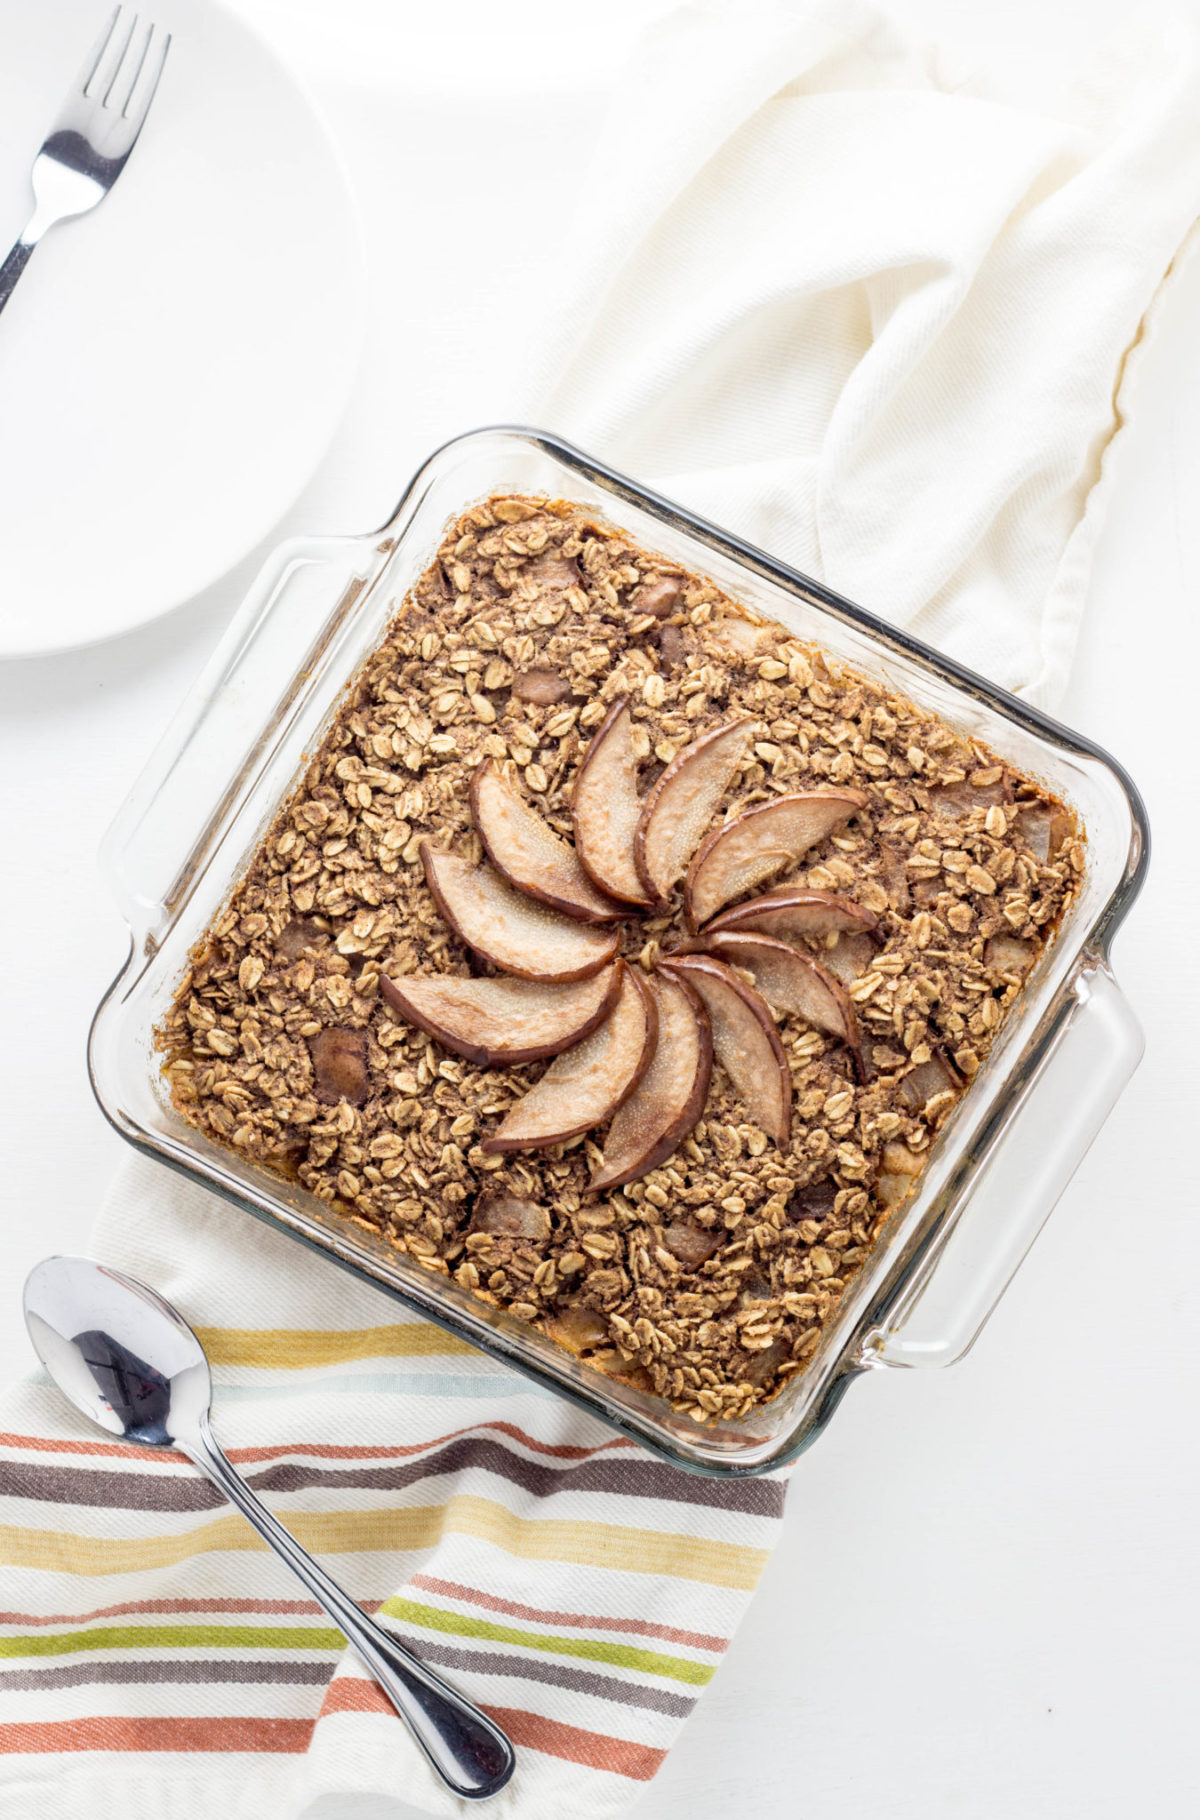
x=943, y=1312
x=216, y=742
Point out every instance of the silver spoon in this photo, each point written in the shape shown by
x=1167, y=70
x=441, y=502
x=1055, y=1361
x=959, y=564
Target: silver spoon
x=123, y=1356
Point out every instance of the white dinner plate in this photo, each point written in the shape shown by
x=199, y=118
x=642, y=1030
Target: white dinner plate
x=173, y=365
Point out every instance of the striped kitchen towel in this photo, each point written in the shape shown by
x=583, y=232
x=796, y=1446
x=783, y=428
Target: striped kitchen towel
x=158, y=1661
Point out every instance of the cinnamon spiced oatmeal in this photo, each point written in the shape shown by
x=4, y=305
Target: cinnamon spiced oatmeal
x=619, y=955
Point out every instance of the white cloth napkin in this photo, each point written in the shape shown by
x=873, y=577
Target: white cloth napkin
x=880, y=325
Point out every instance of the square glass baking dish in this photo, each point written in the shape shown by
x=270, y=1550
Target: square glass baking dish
x=239, y=742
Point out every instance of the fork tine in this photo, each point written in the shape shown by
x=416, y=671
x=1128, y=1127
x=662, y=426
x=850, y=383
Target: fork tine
x=103, y=86
x=130, y=68
x=91, y=62
x=145, y=82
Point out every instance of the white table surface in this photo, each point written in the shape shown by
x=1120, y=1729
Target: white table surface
x=985, y=1600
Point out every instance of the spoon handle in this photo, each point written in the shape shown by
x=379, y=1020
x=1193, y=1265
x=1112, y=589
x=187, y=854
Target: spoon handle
x=469, y=1753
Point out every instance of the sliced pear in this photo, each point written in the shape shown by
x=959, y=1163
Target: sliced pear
x=339, y=1059
x=897, y=1177
x=672, y=648
x=511, y=1216
x=893, y=876
x=735, y=637
x=692, y=1243
x=605, y=806
x=587, y=1084
x=814, y=1202
x=849, y=958
x=544, y=688
x=956, y=801
x=510, y=930
x=891, y=1188
x=529, y=854
x=745, y=1040
x=662, y=597
x=792, y=913
x=1009, y=954
x=760, y=842
x=578, y=1328
x=900, y=1160
x=654, y=1121
x=1044, y=828
x=793, y=983
x=928, y=1079
x=683, y=802
x=763, y=1366
x=551, y=571
x=490, y=1021
x=614, y=1364
x=300, y=936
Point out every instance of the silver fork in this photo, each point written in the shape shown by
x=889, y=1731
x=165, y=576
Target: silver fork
x=94, y=134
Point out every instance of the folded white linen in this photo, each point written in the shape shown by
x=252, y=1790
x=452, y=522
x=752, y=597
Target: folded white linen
x=880, y=327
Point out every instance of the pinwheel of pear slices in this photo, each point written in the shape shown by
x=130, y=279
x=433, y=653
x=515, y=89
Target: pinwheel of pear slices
x=633, y=1052
x=618, y=956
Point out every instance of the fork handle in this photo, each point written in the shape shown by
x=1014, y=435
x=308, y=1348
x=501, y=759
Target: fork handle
x=12, y=268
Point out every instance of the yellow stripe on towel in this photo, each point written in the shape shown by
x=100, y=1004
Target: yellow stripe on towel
x=295, y=1348
x=586, y=1544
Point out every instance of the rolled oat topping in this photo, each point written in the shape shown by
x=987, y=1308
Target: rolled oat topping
x=846, y=897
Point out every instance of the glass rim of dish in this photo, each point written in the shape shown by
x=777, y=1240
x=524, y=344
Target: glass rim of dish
x=614, y=494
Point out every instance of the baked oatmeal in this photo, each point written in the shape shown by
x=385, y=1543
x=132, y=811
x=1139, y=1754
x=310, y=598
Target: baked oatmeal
x=619, y=955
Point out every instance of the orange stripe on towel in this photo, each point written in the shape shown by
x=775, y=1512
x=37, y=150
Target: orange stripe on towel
x=270, y=1735
x=529, y=1731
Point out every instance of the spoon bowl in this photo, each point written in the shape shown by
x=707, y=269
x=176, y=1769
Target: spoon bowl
x=117, y=1351
x=129, y=1362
